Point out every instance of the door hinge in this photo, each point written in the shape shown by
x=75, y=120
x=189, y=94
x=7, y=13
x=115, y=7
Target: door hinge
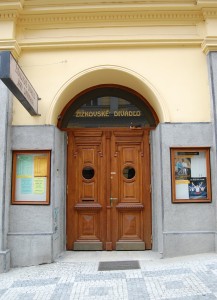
x=67, y=139
x=150, y=188
x=151, y=240
x=67, y=189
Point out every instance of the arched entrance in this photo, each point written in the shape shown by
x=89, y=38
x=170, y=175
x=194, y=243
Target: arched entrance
x=108, y=169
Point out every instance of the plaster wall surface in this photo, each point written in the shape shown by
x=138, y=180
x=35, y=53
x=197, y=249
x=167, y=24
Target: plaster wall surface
x=27, y=250
x=173, y=73
x=185, y=220
x=39, y=230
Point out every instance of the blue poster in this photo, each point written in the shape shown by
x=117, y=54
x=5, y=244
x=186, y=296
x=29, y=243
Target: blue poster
x=26, y=186
x=197, y=188
x=24, y=165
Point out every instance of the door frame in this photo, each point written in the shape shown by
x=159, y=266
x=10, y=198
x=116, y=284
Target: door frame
x=74, y=102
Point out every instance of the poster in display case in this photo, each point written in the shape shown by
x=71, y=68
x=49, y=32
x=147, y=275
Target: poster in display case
x=190, y=175
x=31, y=177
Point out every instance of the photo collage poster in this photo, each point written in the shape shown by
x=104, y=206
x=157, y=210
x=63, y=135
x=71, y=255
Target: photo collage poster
x=190, y=175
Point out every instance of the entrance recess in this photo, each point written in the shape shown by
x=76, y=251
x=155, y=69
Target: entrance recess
x=108, y=190
x=108, y=169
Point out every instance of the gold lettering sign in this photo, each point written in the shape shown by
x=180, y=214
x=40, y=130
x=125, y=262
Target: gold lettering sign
x=106, y=113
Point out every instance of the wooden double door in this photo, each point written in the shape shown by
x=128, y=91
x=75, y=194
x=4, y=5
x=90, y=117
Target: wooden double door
x=108, y=190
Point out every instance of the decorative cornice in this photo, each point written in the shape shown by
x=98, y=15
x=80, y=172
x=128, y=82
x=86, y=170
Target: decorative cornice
x=112, y=43
x=209, y=13
x=32, y=15
x=8, y=15
x=35, y=6
x=10, y=45
x=207, y=3
x=112, y=18
x=112, y=2
x=209, y=44
x=11, y=5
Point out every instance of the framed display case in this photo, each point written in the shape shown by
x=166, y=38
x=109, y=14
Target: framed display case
x=31, y=177
x=190, y=169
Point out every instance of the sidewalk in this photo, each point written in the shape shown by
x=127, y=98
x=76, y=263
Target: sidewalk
x=138, y=275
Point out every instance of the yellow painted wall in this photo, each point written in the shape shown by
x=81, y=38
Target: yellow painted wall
x=158, y=48
x=178, y=76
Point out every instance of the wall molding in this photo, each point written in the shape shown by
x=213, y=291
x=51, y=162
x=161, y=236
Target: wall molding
x=42, y=15
x=210, y=13
x=113, y=18
x=209, y=44
x=10, y=45
x=9, y=15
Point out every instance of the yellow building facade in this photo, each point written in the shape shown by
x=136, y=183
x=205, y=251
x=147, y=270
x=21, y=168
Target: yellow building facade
x=155, y=57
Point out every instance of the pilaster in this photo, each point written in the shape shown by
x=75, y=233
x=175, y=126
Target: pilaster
x=5, y=177
x=212, y=69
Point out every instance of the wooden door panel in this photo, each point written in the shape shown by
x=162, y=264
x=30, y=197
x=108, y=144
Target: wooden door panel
x=129, y=211
x=129, y=187
x=88, y=228
x=130, y=226
x=88, y=191
x=86, y=206
x=87, y=187
x=129, y=192
x=88, y=155
x=111, y=209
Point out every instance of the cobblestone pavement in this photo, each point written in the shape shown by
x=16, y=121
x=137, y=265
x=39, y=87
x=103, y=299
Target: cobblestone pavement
x=185, y=278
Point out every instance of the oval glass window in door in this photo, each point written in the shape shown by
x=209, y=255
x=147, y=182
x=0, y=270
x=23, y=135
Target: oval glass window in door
x=88, y=172
x=129, y=172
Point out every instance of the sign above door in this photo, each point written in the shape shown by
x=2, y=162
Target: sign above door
x=108, y=106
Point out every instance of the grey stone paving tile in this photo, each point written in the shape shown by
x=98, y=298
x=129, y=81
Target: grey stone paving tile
x=137, y=289
x=106, y=289
x=2, y=291
x=22, y=296
x=209, y=279
x=102, y=276
x=174, y=284
x=199, y=297
x=212, y=287
x=99, y=291
x=35, y=282
x=62, y=291
x=166, y=272
x=185, y=285
x=212, y=266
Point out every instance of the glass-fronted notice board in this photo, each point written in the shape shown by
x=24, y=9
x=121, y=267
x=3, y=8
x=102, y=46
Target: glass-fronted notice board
x=190, y=175
x=31, y=177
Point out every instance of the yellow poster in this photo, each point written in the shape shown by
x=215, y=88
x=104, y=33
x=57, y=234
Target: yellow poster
x=39, y=185
x=182, y=181
x=40, y=166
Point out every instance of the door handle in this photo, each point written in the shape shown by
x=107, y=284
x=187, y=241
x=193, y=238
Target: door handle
x=112, y=199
